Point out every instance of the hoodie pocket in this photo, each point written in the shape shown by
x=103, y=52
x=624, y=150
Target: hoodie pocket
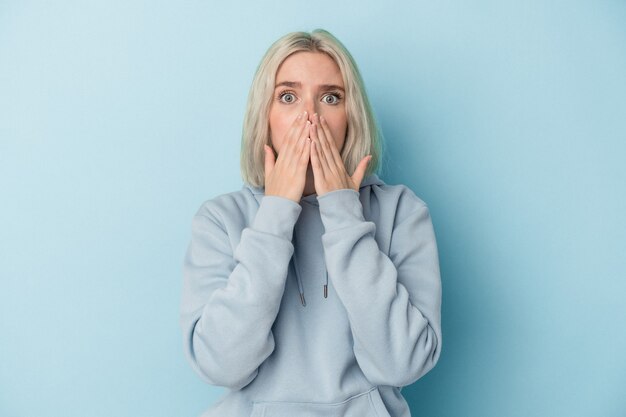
x=366, y=404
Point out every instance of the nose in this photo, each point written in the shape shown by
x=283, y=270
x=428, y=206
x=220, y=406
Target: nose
x=310, y=106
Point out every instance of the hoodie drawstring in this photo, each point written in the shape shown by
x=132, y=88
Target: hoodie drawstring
x=298, y=274
x=297, y=269
x=300, y=286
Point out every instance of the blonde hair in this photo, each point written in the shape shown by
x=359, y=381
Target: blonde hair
x=362, y=136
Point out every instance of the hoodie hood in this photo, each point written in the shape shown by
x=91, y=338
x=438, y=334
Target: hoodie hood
x=259, y=192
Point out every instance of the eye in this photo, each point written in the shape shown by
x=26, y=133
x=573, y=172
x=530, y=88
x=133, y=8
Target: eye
x=331, y=98
x=287, y=97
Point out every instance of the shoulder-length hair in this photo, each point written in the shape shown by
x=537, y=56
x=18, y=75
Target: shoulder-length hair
x=362, y=136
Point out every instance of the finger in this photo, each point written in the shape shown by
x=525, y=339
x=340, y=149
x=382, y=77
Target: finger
x=306, y=132
x=319, y=148
x=314, y=135
x=270, y=160
x=328, y=161
x=321, y=134
x=359, y=172
x=321, y=139
x=306, y=154
x=331, y=143
x=318, y=171
x=302, y=132
x=302, y=126
x=303, y=142
x=317, y=168
x=294, y=132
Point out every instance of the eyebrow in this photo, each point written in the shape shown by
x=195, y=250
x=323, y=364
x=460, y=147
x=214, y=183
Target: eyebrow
x=296, y=84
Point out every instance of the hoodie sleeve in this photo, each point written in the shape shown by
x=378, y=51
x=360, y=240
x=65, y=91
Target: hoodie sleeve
x=393, y=302
x=230, y=298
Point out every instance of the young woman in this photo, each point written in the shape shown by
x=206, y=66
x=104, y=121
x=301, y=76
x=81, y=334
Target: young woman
x=315, y=289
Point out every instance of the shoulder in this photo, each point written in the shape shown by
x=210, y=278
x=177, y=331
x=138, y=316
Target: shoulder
x=231, y=207
x=398, y=199
x=399, y=193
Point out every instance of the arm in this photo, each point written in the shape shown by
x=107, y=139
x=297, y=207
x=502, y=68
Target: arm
x=394, y=302
x=230, y=299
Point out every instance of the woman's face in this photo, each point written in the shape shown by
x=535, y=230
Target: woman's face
x=312, y=82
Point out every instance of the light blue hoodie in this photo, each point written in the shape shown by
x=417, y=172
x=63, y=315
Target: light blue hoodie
x=323, y=308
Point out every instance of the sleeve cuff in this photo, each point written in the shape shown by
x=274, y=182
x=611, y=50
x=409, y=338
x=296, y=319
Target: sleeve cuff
x=277, y=216
x=340, y=208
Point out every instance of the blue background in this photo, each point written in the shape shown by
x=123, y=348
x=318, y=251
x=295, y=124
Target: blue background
x=118, y=118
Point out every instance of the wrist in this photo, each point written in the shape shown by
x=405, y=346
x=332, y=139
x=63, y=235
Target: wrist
x=277, y=215
x=340, y=208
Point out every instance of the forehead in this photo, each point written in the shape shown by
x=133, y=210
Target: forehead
x=309, y=68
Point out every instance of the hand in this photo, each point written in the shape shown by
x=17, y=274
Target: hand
x=329, y=170
x=285, y=176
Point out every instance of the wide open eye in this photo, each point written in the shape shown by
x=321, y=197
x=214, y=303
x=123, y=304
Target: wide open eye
x=287, y=97
x=331, y=98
